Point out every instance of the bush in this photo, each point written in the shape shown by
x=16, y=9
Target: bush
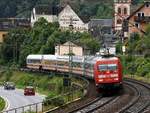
x=2, y=62
x=119, y=48
x=2, y=104
x=143, y=69
x=137, y=65
x=58, y=101
x=131, y=68
x=48, y=100
x=59, y=88
x=51, y=100
x=8, y=74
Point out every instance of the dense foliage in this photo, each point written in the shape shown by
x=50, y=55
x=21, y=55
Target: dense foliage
x=2, y=104
x=136, y=65
x=94, y=8
x=137, y=59
x=41, y=39
x=139, y=45
x=42, y=82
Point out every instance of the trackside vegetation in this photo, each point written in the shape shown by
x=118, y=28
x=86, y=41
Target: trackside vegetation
x=49, y=84
x=136, y=61
x=2, y=104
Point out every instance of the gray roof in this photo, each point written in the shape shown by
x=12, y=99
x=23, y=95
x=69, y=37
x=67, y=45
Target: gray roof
x=11, y=23
x=48, y=9
x=101, y=22
x=84, y=18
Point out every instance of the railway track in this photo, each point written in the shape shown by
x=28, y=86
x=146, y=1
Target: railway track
x=93, y=106
x=141, y=101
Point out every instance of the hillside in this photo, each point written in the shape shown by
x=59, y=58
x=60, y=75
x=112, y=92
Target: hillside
x=22, y=8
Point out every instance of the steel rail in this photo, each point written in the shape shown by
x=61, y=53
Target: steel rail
x=95, y=105
x=142, y=101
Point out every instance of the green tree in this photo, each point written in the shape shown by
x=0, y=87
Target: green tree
x=38, y=42
x=90, y=43
x=119, y=47
x=10, y=49
x=104, y=11
x=41, y=39
x=132, y=43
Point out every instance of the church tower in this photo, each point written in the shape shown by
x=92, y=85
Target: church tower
x=121, y=12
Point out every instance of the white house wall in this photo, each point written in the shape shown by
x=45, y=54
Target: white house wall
x=65, y=17
x=63, y=49
x=49, y=18
x=35, y=17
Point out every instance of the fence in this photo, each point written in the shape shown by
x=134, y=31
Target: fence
x=77, y=91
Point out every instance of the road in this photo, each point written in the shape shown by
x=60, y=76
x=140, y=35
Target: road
x=16, y=98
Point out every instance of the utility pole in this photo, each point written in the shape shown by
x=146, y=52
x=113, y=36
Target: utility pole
x=67, y=80
x=70, y=52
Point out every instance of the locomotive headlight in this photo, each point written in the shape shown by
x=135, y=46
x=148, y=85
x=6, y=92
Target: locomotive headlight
x=100, y=80
x=116, y=79
x=101, y=76
x=114, y=75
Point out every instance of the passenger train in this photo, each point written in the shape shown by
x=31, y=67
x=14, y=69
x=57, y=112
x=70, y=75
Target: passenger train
x=106, y=71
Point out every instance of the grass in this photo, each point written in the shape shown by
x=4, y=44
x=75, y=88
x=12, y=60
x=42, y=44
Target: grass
x=44, y=84
x=2, y=104
x=50, y=85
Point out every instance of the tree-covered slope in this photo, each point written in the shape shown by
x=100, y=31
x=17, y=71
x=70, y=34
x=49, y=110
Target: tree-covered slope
x=22, y=8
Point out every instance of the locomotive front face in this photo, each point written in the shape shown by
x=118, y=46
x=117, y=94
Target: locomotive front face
x=107, y=72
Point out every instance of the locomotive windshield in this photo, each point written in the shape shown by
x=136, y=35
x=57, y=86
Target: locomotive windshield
x=112, y=67
x=105, y=67
x=102, y=67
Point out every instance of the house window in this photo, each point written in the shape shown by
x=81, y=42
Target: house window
x=33, y=16
x=139, y=14
x=147, y=4
x=142, y=14
x=4, y=35
x=125, y=11
x=119, y=21
x=119, y=10
x=137, y=25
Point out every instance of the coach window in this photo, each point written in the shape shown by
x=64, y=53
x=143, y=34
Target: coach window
x=76, y=64
x=29, y=61
x=34, y=61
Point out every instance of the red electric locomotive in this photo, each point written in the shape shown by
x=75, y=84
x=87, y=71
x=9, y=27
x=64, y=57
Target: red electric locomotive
x=108, y=73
